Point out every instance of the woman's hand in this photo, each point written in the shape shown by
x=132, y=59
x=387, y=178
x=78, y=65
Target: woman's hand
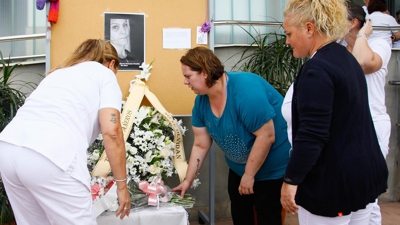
x=288, y=192
x=366, y=29
x=183, y=187
x=246, y=185
x=124, y=201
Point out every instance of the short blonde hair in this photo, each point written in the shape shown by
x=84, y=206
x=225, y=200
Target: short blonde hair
x=328, y=16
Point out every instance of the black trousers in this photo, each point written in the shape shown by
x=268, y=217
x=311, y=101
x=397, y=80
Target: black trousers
x=265, y=200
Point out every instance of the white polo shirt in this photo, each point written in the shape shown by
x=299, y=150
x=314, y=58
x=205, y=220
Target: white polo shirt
x=60, y=118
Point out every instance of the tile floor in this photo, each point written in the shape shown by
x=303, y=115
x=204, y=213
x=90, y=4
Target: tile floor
x=390, y=216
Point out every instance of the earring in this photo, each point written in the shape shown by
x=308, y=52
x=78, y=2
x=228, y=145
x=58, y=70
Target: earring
x=309, y=36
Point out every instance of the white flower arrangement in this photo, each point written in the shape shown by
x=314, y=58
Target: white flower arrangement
x=149, y=153
x=149, y=147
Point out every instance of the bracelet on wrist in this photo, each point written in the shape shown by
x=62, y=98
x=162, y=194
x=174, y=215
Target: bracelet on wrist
x=362, y=35
x=120, y=180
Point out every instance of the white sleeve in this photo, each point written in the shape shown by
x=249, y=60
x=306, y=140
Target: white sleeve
x=287, y=111
x=110, y=92
x=382, y=48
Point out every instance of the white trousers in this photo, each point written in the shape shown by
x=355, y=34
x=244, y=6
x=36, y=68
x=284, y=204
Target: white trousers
x=360, y=217
x=382, y=128
x=40, y=192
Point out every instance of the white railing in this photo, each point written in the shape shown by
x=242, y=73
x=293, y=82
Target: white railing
x=25, y=38
x=268, y=24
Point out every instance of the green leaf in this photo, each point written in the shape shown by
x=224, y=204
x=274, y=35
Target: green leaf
x=273, y=60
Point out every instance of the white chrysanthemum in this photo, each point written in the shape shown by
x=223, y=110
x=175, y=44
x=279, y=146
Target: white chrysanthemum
x=148, y=136
x=127, y=146
x=166, y=163
x=100, y=137
x=143, y=147
x=95, y=155
x=195, y=183
x=133, y=150
x=150, y=146
x=138, y=141
x=138, y=132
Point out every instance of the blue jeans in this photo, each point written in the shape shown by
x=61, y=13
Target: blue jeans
x=265, y=200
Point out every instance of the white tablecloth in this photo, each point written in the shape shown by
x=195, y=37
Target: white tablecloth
x=165, y=215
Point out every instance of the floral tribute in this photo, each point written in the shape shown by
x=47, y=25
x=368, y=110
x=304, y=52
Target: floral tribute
x=149, y=159
x=149, y=152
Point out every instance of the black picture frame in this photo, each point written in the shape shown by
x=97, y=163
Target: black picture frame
x=132, y=49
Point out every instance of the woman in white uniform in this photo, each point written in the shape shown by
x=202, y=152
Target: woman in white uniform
x=43, y=149
x=373, y=53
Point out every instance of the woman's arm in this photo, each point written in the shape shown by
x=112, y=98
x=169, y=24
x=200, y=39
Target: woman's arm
x=265, y=137
x=396, y=36
x=369, y=61
x=114, y=145
x=201, y=146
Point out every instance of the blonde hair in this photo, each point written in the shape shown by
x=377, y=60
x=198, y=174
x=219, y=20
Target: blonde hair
x=328, y=16
x=91, y=50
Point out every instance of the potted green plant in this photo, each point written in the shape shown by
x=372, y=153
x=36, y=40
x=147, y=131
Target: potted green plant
x=11, y=99
x=269, y=57
x=6, y=213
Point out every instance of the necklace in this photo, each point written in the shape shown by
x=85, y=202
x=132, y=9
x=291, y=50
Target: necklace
x=326, y=43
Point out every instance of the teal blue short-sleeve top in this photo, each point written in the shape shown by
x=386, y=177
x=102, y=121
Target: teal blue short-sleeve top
x=251, y=102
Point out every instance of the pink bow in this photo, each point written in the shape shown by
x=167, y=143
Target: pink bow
x=153, y=190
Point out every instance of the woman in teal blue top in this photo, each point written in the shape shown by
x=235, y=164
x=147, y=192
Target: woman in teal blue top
x=241, y=112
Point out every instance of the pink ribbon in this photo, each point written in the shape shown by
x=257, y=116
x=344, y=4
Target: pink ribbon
x=153, y=190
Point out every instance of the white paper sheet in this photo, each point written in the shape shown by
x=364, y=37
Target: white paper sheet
x=201, y=37
x=176, y=38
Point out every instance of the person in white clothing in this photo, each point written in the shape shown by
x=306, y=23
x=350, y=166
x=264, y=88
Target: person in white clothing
x=373, y=54
x=43, y=160
x=376, y=11
x=287, y=111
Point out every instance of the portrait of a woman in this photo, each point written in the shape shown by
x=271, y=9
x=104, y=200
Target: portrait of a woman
x=126, y=33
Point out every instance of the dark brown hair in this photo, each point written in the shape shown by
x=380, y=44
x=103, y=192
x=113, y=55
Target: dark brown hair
x=91, y=50
x=376, y=6
x=201, y=59
x=356, y=12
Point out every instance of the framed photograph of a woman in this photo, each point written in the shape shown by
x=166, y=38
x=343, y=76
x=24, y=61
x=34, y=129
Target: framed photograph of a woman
x=126, y=32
